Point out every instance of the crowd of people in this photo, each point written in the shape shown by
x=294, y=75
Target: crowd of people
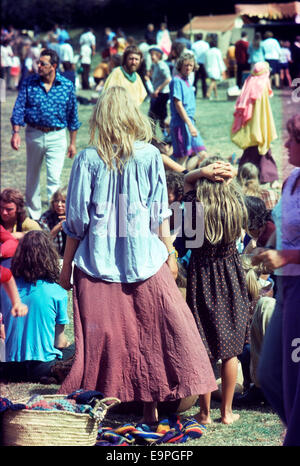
x=20, y=52
x=144, y=214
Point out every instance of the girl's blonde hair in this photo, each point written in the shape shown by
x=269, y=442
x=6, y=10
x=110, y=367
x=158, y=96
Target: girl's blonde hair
x=115, y=125
x=225, y=214
x=248, y=178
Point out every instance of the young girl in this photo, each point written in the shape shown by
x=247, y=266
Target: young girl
x=260, y=225
x=216, y=287
x=248, y=177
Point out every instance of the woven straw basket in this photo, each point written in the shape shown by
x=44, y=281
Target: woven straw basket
x=27, y=427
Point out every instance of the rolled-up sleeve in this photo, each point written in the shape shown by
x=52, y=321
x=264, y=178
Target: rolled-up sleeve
x=78, y=199
x=62, y=309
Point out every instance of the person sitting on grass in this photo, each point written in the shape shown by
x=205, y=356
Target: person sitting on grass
x=53, y=218
x=248, y=177
x=260, y=224
x=34, y=342
x=13, y=214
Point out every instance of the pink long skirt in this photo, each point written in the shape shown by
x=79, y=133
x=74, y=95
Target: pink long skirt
x=137, y=341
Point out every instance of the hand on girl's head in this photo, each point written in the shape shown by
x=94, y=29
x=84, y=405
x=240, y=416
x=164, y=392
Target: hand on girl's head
x=220, y=171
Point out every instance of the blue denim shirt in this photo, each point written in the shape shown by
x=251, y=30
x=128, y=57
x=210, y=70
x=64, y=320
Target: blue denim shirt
x=56, y=108
x=116, y=215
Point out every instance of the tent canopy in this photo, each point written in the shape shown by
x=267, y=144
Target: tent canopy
x=269, y=10
x=218, y=23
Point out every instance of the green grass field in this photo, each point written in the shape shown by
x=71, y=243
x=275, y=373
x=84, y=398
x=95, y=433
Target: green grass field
x=257, y=426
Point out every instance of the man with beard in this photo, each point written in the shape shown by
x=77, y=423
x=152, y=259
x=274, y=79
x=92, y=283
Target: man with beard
x=47, y=105
x=126, y=75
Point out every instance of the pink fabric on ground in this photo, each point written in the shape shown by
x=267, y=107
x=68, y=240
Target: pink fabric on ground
x=137, y=341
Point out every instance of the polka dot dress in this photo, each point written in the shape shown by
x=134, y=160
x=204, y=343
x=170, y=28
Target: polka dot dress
x=218, y=298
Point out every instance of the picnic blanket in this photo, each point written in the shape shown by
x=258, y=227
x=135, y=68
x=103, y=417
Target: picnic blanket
x=169, y=430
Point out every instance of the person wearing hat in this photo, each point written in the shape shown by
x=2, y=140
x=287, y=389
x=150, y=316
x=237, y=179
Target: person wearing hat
x=160, y=79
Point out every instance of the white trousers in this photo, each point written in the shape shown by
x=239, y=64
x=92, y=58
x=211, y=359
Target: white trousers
x=52, y=146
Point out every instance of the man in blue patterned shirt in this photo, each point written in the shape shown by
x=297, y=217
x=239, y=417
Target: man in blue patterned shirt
x=47, y=105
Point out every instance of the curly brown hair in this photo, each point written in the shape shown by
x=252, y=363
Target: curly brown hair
x=15, y=196
x=36, y=258
x=131, y=49
x=175, y=183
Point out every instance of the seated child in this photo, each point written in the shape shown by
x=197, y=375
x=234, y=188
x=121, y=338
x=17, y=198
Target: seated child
x=260, y=224
x=248, y=178
x=34, y=341
x=262, y=305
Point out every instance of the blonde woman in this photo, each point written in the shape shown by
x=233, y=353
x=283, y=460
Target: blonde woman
x=216, y=285
x=135, y=337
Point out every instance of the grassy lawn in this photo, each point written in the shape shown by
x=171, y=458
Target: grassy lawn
x=258, y=426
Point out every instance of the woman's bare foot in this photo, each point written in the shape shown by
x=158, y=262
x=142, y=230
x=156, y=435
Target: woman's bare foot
x=229, y=418
x=203, y=418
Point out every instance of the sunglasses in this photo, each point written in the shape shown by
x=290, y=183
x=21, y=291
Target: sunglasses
x=42, y=63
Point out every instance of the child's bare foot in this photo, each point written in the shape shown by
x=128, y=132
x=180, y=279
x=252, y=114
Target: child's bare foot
x=203, y=418
x=229, y=418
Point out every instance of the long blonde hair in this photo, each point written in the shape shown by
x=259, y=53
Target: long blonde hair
x=116, y=123
x=225, y=214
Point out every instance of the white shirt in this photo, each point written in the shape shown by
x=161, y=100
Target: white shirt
x=271, y=48
x=87, y=38
x=214, y=63
x=285, y=55
x=6, y=55
x=199, y=48
x=66, y=53
x=86, y=54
